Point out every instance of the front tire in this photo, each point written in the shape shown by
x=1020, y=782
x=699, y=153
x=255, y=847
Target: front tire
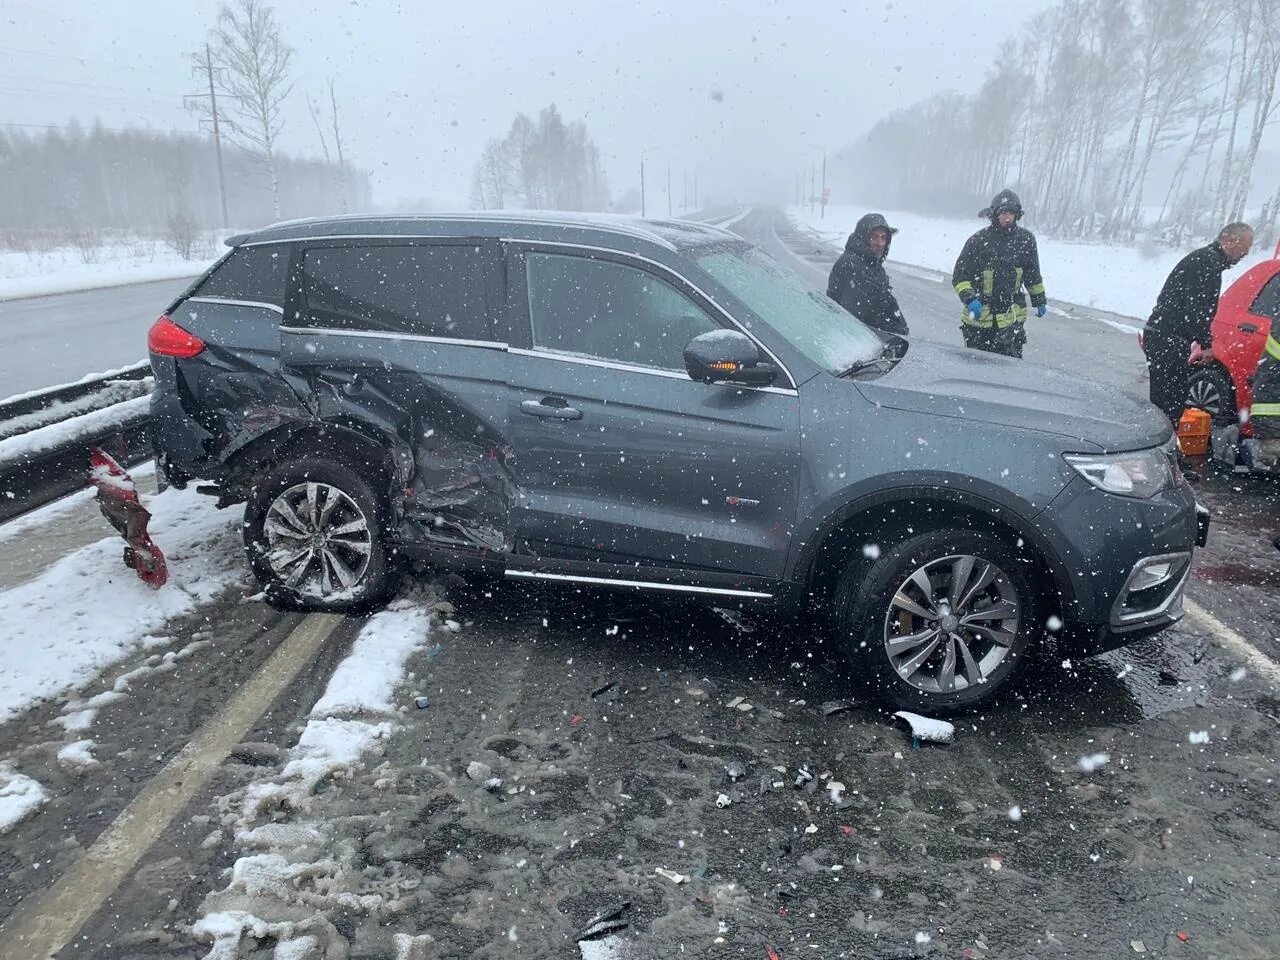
x=314, y=532
x=940, y=622
x=1210, y=389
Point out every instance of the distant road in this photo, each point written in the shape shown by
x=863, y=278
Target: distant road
x=59, y=338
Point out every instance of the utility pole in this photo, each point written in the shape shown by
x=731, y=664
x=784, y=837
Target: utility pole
x=643, y=212
x=207, y=69
x=695, y=194
x=813, y=182
x=668, y=189
x=685, y=175
x=823, y=200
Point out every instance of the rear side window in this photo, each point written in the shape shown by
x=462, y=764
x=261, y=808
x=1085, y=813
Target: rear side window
x=423, y=290
x=250, y=273
x=1267, y=302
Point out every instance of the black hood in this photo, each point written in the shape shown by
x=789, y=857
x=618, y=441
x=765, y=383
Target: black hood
x=859, y=241
x=971, y=385
x=1004, y=200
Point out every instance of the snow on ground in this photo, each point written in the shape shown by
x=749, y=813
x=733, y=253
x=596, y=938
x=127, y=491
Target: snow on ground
x=115, y=264
x=1113, y=277
x=87, y=610
x=280, y=854
x=114, y=392
x=20, y=796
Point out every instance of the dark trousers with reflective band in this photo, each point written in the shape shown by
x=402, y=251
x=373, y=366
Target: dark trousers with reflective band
x=1170, y=370
x=1265, y=415
x=1007, y=341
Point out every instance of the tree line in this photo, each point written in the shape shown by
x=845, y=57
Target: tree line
x=72, y=178
x=1111, y=117
x=542, y=164
x=76, y=180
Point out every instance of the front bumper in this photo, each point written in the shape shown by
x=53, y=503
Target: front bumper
x=1115, y=549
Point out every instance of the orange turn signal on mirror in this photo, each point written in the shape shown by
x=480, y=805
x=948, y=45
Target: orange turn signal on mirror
x=724, y=365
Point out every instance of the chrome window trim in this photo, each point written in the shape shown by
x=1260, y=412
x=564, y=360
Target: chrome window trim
x=237, y=303
x=640, y=584
x=625, y=254
x=650, y=371
x=389, y=335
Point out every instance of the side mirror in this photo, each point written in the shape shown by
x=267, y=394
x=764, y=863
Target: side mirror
x=727, y=355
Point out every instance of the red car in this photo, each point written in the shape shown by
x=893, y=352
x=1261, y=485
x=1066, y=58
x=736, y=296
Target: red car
x=1240, y=327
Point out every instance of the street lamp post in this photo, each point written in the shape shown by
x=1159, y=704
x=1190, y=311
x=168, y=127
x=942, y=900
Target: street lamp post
x=814, y=146
x=644, y=210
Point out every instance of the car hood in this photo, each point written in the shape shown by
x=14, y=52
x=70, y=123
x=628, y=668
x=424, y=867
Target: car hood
x=972, y=385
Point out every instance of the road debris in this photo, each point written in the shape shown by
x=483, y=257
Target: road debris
x=736, y=620
x=421, y=702
x=722, y=800
x=118, y=502
x=1093, y=761
x=832, y=707
x=493, y=784
x=926, y=728
x=811, y=828
x=803, y=776
x=479, y=772
x=735, y=770
x=836, y=789
x=1183, y=936
x=606, y=922
x=600, y=691
x=1138, y=946
x=676, y=878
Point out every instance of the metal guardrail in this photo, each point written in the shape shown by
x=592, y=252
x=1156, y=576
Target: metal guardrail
x=31, y=480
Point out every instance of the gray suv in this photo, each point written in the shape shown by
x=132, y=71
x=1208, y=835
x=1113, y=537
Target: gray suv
x=660, y=406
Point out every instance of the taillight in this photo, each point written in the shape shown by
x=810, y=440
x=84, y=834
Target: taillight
x=167, y=339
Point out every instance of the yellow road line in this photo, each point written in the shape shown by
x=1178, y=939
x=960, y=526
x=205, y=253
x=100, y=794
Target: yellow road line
x=47, y=922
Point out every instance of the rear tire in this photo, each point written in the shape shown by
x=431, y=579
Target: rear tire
x=921, y=642
x=315, y=535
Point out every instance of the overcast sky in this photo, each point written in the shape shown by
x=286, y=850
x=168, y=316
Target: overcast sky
x=423, y=84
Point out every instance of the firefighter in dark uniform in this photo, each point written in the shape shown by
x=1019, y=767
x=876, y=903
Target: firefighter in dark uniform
x=995, y=265
x=1183, y=315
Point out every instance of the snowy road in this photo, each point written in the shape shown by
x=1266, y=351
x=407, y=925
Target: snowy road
x=224, y=780
x=60, y=338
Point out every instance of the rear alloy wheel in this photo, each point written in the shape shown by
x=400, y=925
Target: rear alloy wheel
x=940, y=621
x=1210, y=390
x=313, y=531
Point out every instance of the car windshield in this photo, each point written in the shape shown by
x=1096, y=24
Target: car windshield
x=807, y=319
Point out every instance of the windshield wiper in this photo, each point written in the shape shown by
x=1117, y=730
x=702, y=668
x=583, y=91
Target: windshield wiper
x=884, y=356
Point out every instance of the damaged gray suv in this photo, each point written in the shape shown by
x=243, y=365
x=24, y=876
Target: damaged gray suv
x=660, y=406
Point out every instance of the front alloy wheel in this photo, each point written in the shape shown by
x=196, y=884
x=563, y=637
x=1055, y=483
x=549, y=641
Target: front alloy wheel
x=950, y=624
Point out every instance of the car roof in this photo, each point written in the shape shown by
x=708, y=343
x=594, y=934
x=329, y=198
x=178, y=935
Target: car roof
x=627, y=233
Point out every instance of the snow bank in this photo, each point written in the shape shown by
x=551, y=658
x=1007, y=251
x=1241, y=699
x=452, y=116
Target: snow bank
x=20, y=797
x=63, y=270
x=88, y=610
x=1113, y=277
x=366, y=679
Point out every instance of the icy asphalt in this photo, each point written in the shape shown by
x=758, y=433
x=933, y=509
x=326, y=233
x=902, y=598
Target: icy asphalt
x=1017, y=840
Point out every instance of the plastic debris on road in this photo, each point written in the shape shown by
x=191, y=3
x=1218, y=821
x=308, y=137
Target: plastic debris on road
x=722, y=800
x=676, y=878
x=421, y=703
x=926, y=728
x=832, y=707
x=735, y=770
x=605, y=922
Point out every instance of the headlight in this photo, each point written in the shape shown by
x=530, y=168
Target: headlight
x=1139, y=473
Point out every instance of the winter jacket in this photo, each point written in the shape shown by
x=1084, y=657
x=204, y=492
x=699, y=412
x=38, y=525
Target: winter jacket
x=858, y=281
x=995, y=264
x=1265, y=412
x=1189, y=299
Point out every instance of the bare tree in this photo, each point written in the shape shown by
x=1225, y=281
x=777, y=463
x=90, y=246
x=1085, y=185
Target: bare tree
x=255, y=72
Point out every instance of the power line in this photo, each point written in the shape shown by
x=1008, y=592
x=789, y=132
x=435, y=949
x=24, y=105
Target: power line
x=75, y=83
x=115, y=65
x=91, y=128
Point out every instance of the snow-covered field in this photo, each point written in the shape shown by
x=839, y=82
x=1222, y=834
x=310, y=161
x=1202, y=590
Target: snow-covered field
x=113, y=264
x=1112, y=277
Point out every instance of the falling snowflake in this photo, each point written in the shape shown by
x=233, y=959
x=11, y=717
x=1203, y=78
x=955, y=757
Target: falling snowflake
x=1015, y=812
x=871, y=551
x=1198, y=736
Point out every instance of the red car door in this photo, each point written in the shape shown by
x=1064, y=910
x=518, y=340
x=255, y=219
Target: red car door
x=1242, y=323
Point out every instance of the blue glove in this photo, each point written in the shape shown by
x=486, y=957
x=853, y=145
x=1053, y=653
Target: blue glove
x=1040, y=310
x=974, y=307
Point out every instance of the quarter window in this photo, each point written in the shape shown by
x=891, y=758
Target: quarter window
x=423, y=290
x=250, y=273
x=610, y=311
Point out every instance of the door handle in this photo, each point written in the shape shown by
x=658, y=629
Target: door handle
x=550, y=408
x=1247, y=328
